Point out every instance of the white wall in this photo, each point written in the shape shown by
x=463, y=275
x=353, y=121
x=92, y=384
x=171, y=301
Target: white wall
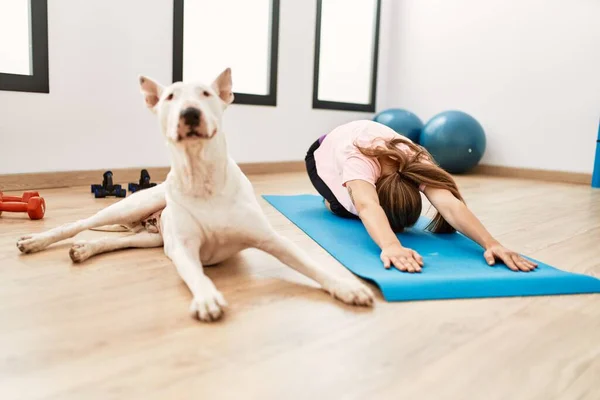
x=528, y=70
x=94, y=117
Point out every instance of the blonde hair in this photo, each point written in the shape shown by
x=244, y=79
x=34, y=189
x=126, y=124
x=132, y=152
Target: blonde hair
x=398, y=191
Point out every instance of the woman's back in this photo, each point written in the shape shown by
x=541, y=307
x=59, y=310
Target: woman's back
x=338, y=159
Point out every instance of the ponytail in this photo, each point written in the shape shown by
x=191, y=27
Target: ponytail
x=399, y=191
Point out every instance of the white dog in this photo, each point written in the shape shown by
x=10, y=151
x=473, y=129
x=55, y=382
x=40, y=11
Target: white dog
x=205, y=211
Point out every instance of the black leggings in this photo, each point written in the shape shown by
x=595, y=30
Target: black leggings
x=322, y=188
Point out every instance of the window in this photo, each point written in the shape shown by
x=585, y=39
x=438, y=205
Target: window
x=346, y=46
x=24, y=45
x=210, y=36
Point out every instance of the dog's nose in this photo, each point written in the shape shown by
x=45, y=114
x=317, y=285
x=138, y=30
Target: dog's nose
x=191, y=117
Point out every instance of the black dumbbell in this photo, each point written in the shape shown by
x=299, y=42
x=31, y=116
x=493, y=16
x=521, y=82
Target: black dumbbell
x=144, y=182
x=107, y=188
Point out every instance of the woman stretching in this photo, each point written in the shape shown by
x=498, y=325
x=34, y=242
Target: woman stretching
x=366, y=170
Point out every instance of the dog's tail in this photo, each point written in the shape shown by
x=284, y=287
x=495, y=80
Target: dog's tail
x=112, y=228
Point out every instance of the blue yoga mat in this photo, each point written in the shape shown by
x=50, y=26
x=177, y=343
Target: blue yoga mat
x=454, y=265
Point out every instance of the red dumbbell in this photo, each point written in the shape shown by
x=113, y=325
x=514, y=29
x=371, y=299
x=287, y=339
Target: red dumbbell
x=35, y=207
x=23, y=199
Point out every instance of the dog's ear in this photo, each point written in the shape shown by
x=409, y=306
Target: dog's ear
x=151, y=91
x=223, y=86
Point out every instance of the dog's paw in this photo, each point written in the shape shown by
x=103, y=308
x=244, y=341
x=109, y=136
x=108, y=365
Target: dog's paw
x=352, y=291
x=208, y=306
x=81, y=251
x=32, y=243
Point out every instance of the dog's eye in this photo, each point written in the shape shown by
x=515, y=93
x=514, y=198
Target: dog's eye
x=170, y=97
x=206, y=93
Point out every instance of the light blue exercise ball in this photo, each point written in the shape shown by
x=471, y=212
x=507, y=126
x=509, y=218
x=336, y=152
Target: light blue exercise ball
x=455, y=140
x=402, y=121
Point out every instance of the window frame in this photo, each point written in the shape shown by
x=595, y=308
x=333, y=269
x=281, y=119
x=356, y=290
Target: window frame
x=269, y=99
x=38, y=81
x=342, y=106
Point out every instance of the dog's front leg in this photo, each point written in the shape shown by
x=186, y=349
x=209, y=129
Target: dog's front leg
x=208, y=302
x=342, y=285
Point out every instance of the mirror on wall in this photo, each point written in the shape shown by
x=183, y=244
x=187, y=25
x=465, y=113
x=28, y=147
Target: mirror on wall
x=24, y=45
x=252, y=54
x=346, y=47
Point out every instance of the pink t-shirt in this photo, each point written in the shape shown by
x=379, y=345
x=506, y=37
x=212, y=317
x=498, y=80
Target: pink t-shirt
x=339, y=161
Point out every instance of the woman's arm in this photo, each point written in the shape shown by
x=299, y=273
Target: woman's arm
x=457, y=214
x=365, y=199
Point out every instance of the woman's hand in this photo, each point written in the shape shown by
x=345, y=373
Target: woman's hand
x=405, y=259
x=512, y=260
x=463, y=220
x=365, y=199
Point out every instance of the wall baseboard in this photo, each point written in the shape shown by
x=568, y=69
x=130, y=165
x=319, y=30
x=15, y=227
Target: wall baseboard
x=533, y=174
x=47, y=180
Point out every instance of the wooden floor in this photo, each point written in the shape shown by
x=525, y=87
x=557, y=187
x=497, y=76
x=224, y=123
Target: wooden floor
x=117, y=326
